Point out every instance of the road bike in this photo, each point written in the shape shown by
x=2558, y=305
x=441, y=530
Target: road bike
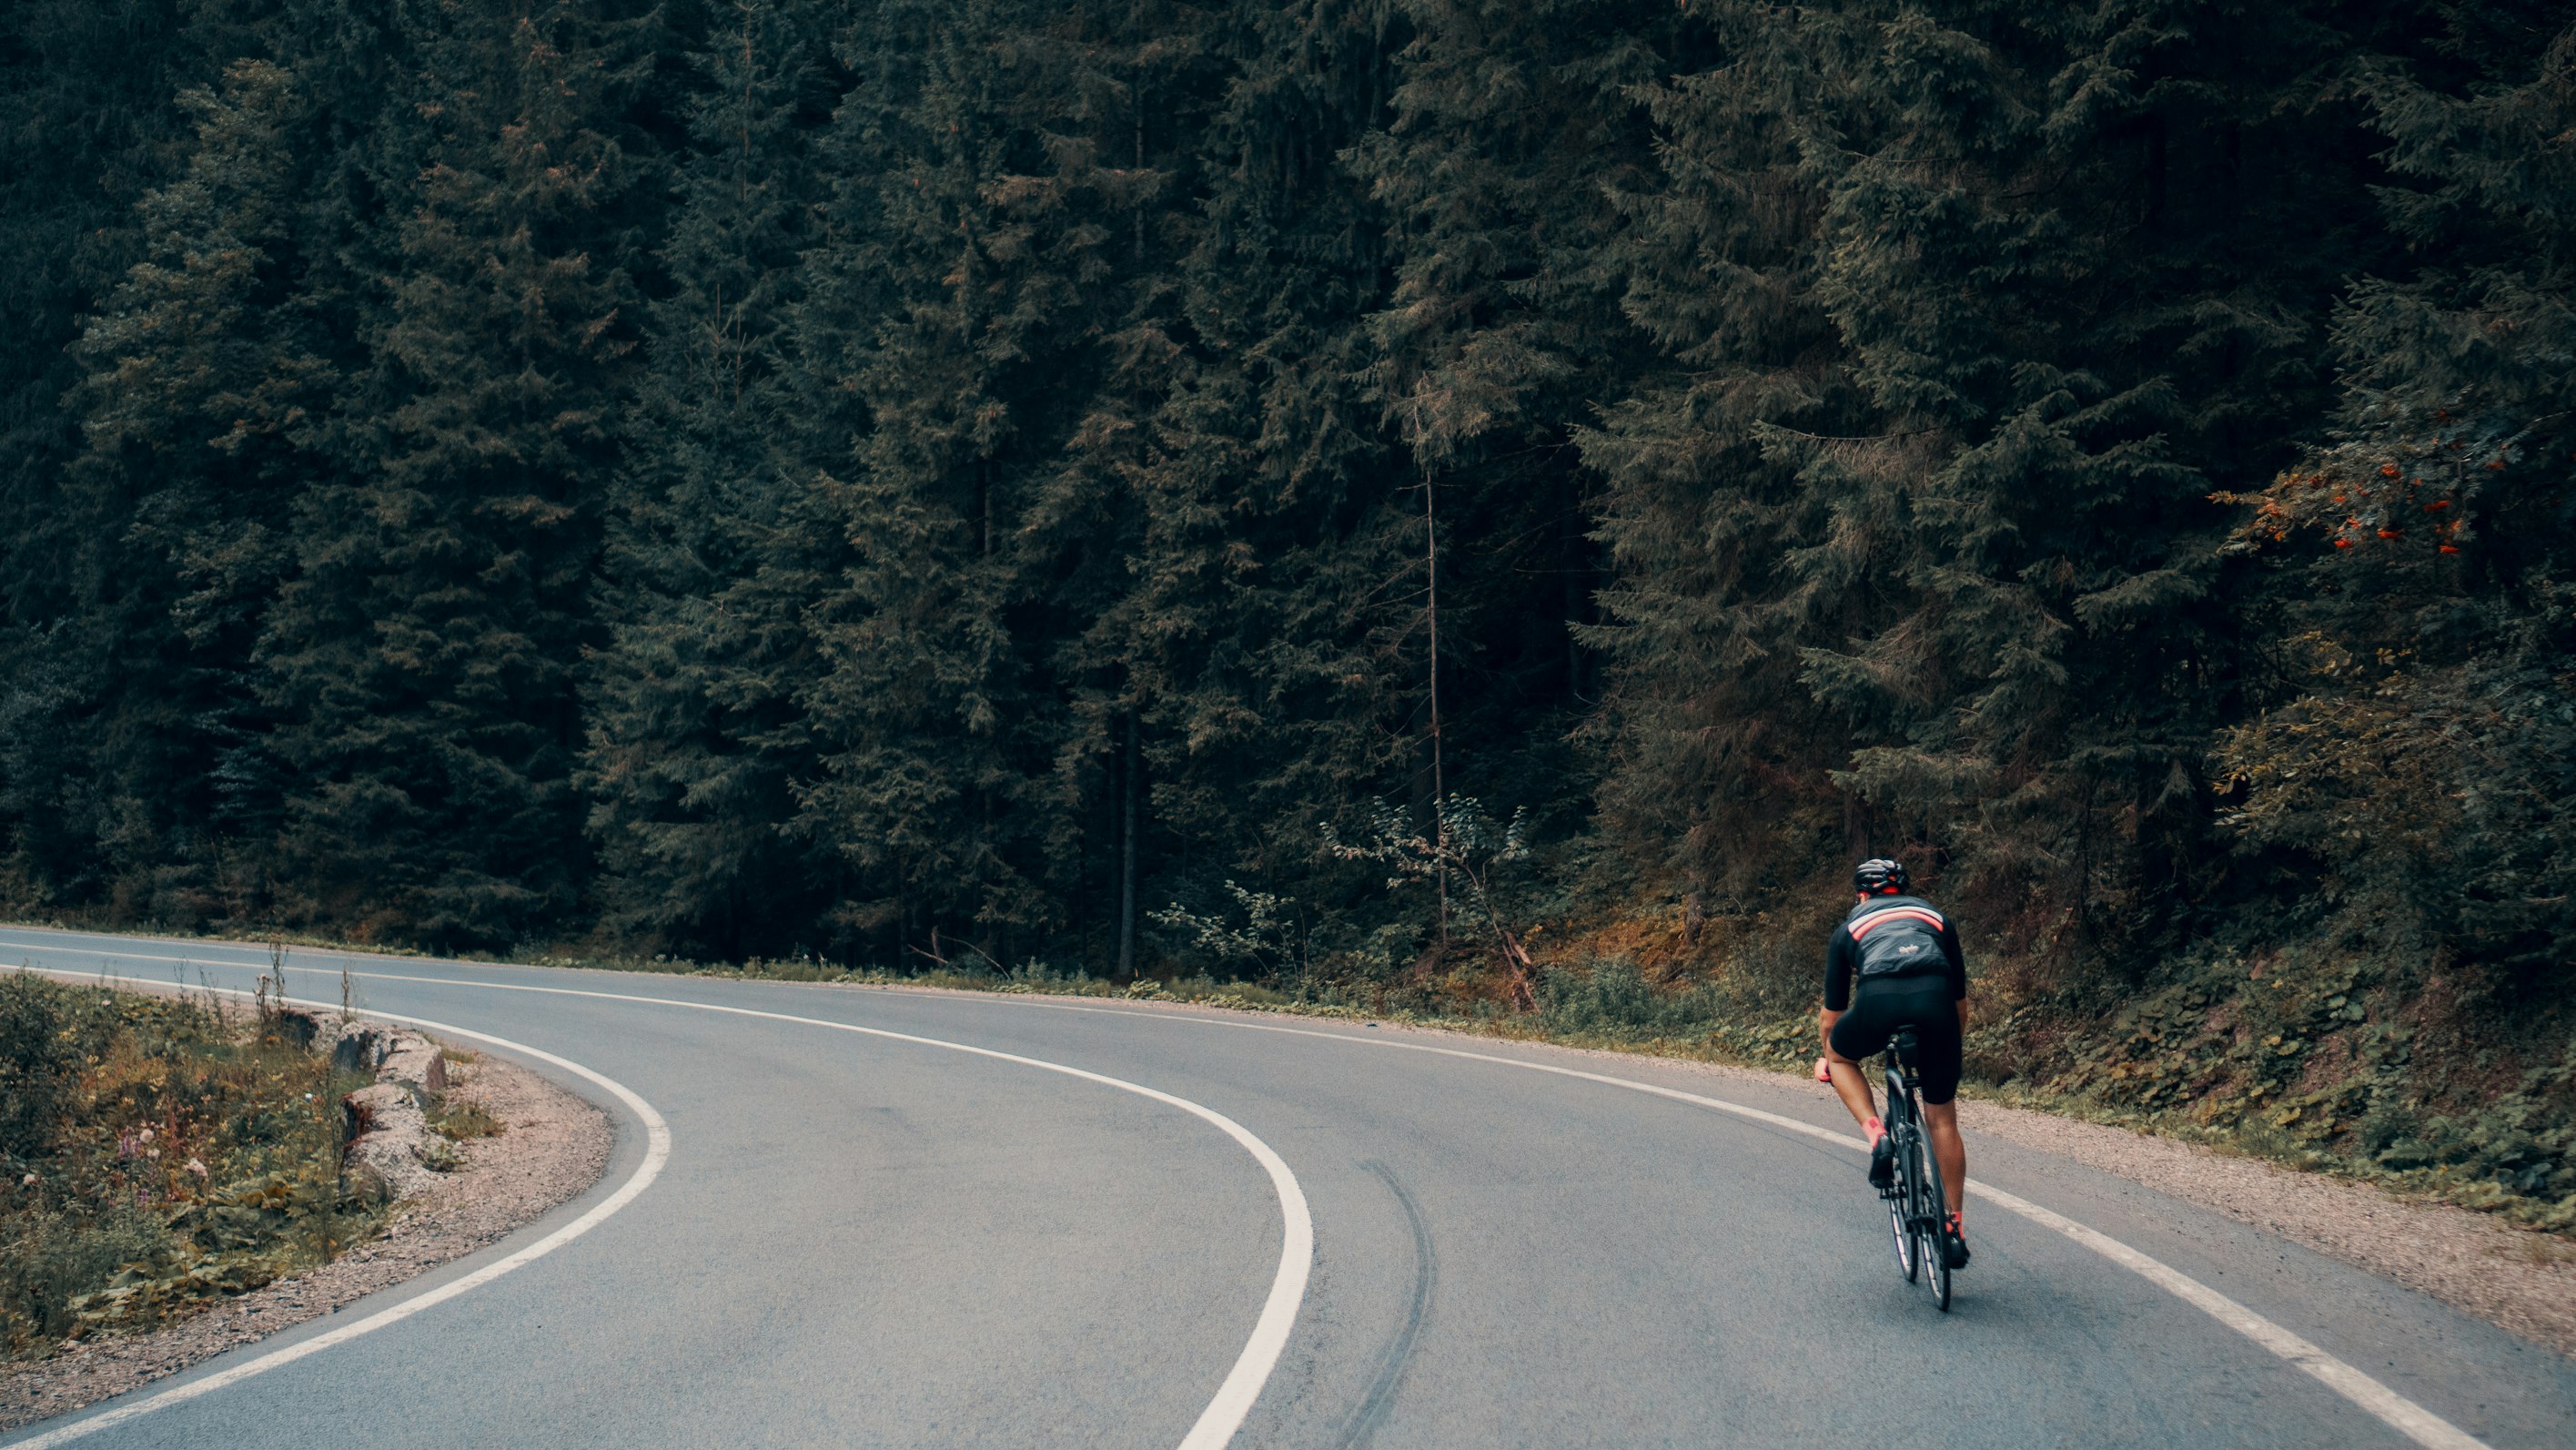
x=1917, y=1209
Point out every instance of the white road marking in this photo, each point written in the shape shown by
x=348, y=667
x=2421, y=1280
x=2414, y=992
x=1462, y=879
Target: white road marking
x=657, y=1151
x=2389, y=1407
x=1216, y=1424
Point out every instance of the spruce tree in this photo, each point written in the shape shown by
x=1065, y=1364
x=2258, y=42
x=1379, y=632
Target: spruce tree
x=1981, y=505
x=695, y=742
x=422, y=658
x=206, y=387
x=86, y=107
x=952, y=304
x=1230, y=679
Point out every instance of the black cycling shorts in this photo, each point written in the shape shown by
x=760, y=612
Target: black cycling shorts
x=1922, y=1003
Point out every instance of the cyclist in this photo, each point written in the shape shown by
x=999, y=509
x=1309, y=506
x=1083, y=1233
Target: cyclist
x=1894, y=962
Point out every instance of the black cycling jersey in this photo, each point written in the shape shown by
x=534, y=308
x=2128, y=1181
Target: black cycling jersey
x=1843, y=952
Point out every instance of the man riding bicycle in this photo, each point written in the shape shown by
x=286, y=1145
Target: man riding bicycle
x=1894, y=963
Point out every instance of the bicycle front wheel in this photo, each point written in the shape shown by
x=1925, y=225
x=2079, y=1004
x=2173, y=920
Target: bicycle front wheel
x=1931, y=1222
x=1908, y=1261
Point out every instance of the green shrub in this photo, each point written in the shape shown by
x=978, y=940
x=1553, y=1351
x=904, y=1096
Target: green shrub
x=158, y=1156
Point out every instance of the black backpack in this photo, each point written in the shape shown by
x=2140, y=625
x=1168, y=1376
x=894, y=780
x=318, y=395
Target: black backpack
x=1898, y=936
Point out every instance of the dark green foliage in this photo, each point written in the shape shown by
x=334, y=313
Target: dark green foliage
x=421, y=659
x=714, y=547
x=957, y=485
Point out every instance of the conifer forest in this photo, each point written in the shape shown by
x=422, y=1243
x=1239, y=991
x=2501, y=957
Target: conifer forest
x=1472, y=498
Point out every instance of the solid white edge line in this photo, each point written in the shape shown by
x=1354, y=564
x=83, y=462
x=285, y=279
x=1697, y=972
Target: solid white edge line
x=657, y=1151
x=1216, y=1424
x=2386, y=1405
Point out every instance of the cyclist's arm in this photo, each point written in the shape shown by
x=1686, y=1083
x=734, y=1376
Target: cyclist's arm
x=1957, y=965
x=1838, y=979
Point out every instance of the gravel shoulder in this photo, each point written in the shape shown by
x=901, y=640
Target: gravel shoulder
x=554, y=1146
x=2519, y=1281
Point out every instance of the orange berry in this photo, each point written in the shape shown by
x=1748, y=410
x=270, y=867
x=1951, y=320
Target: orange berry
x=2388, y=470
x=2450, y=548
x=2343, y=543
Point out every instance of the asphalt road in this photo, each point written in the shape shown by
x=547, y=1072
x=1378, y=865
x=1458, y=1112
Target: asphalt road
x=863, y=1240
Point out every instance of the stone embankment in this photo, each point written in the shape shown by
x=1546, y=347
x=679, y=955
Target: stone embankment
x=389, y=1132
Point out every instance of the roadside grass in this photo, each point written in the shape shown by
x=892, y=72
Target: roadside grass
x=157, y=1154
x=2313, y=1060
x=458, y=1119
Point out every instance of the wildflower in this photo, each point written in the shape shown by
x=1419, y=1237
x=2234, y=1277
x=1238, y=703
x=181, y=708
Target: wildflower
x=196, y=1166
x=143, y=1198
x=2388, y=470
x=152, y=1153
x=2343, y=543
x=2450, y=548
x=2388, y=533
x=28, y=1182
x=147, y=1135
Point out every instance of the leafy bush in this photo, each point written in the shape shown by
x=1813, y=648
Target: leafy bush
x=1613, y=999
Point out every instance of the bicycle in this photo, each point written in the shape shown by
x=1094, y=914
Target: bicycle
x=1917, y=1208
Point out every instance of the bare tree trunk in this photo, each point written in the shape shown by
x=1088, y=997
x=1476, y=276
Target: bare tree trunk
x=1439, y=787
x=1127, y=858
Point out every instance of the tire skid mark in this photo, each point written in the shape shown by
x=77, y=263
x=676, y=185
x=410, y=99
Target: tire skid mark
x=1362, y=1427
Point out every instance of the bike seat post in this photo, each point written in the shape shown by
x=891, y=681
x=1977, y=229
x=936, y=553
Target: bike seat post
x=1900, y=1049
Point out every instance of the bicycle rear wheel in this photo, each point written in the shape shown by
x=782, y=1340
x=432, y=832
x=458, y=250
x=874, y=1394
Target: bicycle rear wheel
x=1908, y=1261
x=1899, y=1195
x=1931, y=1222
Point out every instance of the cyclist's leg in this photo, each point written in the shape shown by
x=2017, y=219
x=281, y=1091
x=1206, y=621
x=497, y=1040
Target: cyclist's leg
x=1859, y=1034
x=1941, y=1125
x=1938, y=1052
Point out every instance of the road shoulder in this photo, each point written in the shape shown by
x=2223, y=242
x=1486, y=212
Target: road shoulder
x=555, y=1145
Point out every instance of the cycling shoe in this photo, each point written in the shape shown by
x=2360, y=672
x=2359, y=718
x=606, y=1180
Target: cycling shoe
x=1882, y=1162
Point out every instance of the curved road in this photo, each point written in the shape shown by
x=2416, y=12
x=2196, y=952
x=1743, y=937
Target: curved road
x=874, y=1238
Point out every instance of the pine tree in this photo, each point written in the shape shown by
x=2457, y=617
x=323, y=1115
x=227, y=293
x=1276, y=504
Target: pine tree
x=421, y=659
x=86, y=107
x=205, y=388
x=954, y=306
x=695, y=738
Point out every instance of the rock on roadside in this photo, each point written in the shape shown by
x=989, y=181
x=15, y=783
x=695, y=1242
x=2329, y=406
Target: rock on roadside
x=389, y=1121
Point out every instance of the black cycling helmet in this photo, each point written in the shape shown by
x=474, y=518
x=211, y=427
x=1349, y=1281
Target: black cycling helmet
x=1879, y=874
